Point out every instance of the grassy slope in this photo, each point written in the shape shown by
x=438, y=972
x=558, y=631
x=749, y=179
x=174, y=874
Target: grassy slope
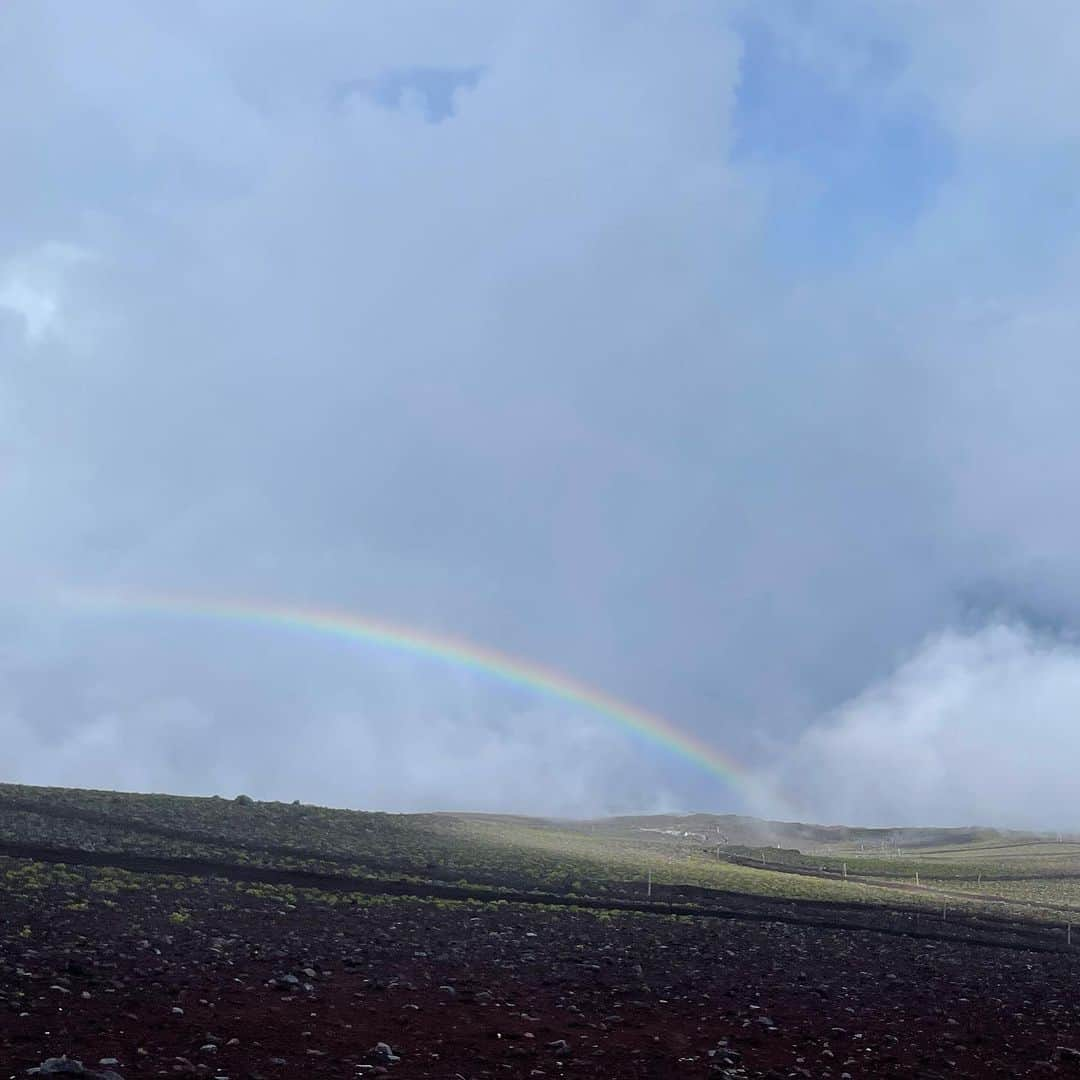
x=583, y=858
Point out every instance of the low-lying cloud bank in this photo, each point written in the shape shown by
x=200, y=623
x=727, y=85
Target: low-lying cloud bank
x=974, y=728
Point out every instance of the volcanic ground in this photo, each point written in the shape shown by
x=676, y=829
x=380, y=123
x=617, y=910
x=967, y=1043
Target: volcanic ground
x=182, y=975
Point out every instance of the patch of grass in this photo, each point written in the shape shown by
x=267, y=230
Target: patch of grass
x=614, y=858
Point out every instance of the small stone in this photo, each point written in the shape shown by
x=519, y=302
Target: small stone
x=177, y=1011
x=62, y=1066
x=383, y=1054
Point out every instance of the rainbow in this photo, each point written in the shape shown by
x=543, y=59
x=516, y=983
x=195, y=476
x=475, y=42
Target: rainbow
x=461, y=654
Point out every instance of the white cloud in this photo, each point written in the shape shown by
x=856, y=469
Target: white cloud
x=543, y=760
x=975, y=728
x=32, y=288
x=37, y=308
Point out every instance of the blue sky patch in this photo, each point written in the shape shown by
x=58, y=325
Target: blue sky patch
x=857, y=162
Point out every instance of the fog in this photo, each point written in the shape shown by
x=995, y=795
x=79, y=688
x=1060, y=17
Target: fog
x=718, y=357
x=973, y=727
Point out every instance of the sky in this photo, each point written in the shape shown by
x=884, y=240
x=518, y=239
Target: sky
x=718, y=356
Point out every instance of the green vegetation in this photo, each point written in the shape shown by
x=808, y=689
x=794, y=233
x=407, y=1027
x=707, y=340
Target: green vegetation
x=690, y=860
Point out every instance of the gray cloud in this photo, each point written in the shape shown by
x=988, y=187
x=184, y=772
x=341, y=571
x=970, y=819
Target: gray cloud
x=522, y=357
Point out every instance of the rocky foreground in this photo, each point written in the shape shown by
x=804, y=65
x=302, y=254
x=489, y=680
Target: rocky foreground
x=151, y=975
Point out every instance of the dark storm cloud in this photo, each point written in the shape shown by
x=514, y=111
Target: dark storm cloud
x=492, y=324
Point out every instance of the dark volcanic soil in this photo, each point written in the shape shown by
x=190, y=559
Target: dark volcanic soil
x=174, y=976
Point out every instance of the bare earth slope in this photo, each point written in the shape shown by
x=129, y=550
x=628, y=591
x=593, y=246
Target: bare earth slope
x=242, y=968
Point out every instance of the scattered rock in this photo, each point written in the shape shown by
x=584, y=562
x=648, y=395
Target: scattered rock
x=61, y=1066
x=65, y=1066
x=383, y=1054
